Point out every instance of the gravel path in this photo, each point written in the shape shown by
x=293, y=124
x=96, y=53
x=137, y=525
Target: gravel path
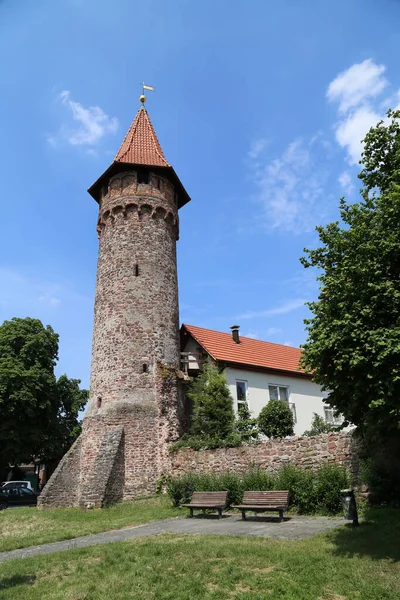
x=293, y=528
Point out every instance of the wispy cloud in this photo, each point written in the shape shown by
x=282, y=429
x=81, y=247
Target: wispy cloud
x=254, y=335
x=358, y=84
x=290, y=187
x=92, y=124
x=49, y=300
x=282, y=309
x=289, y=343
x=273, y=330
x=357, y=92
x=346, y=182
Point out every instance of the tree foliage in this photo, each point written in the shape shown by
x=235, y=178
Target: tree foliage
x=353, y=346
x=38, y=414
x=213, y=414
x=276, y=419
x=246, y=426
x=318, y=426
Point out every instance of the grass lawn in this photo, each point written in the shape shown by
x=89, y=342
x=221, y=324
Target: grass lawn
x=30, y=527
x=345, y=564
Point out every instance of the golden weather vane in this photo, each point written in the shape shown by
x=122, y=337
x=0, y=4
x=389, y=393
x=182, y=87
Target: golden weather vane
x=145, y=87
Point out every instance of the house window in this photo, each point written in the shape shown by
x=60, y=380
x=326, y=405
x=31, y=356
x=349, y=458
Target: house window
x=278, y=392
x=241, y=393
x=292, y=407
x=332, y=417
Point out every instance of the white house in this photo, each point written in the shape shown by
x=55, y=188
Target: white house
x=257, y=372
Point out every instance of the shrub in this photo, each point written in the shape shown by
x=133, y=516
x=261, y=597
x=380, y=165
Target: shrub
x=246, y=426
x=197, y=442
x=213, y=415
x=309, y=491
x=382, y=480
x=329, y=480
x=318, y=426
x=180, y=489
x=299, y=482
x=276, y=419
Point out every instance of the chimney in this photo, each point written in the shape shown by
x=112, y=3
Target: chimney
x=235, y=333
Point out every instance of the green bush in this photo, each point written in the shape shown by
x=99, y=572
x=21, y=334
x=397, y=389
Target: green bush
x=245, y=425
x=213, y=415
x=198, y=442
x=299, y=482
x=318, y=426
x=382, y=479
x=310, y=492
x=329, y=480
x=276, y=419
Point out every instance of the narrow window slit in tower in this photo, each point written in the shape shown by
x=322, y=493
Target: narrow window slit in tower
x=143, y=177
x=136, y=270
x=158, y=184
x=145, y=367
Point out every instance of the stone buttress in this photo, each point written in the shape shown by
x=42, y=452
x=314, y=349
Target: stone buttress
x=134, y=409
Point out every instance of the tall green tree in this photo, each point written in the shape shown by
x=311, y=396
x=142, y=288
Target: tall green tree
x=38, y=414
x=353, y=345
x=213, y=414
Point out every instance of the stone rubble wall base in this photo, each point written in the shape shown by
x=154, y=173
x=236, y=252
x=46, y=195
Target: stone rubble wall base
x=102, y=487
x=62, y=489
x=272, y=455
x=118, y=456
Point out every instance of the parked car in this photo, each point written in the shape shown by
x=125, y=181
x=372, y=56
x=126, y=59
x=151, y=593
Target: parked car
x=14, y=484
x=17, y=496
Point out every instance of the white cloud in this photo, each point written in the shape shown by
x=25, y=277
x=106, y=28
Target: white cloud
x=360, y=82
x=256, y=148
x=273, y=330
x=351, y=130
x=49, y=300
x=357, y=91
x=289, y=343
x=346, y=182
x=284, y=308
x=251, y=334
x=290, y=187
x=93, y=124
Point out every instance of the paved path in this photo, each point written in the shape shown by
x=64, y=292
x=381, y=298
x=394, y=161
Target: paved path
x=293, y=528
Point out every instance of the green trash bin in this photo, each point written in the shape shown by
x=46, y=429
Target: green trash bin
x=349, y=506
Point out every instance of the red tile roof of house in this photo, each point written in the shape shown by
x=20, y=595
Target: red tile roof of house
x=249, y=352
x=141, y=145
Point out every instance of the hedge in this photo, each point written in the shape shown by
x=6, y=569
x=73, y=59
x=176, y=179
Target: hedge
x=310, y=491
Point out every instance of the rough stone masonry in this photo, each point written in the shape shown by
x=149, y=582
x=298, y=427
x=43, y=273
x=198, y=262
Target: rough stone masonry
x=134, y=408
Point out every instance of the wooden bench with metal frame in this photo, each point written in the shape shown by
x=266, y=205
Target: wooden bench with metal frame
x=264, y=501
x=207, y=501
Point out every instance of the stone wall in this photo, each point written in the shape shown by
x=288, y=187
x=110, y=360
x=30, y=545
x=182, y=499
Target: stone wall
x=306, y=452
x=62, y=489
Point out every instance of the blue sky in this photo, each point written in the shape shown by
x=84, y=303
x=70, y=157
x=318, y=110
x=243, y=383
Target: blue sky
x=259, y=106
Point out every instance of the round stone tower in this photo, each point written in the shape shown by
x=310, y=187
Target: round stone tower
x=136, y=325
x=134, y=408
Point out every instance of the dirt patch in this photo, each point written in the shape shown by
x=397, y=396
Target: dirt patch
x=331, y=596
x=264, y=570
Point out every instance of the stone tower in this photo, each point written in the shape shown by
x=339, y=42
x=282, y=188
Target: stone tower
x=134, y=407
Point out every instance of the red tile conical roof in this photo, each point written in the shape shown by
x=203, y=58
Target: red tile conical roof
x=141, y=146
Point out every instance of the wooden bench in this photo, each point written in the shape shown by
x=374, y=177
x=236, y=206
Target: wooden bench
x=264, y=501
x=208, y=500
